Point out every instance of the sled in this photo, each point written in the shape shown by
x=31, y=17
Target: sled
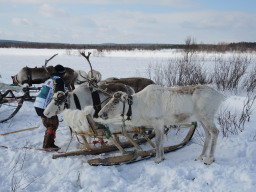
x=100, y=131
x=11, y=102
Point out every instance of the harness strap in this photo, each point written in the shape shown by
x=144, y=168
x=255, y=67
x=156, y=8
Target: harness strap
x=96, y=103
x=29, y=76
x=78, y=106
x=123, y=109
x=129, y=112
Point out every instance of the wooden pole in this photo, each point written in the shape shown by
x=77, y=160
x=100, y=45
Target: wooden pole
x=28, y=129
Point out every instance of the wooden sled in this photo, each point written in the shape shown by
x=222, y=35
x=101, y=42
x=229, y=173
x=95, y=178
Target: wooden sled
x=101, y=132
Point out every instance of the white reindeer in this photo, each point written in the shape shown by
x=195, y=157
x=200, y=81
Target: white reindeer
x=79, y=98
x=77, y=121
x=82, y=77
x=156, y=106
x=94, y=74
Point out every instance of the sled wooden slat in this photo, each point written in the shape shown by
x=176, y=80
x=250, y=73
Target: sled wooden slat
x=102, y=149
x=134, y=156
x=92, y=124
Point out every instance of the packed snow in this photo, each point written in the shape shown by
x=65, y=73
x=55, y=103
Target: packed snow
x=25, y=168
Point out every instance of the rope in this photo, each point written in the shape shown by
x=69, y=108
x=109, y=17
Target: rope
x=70, y=142
x=194, y=123
x=123, y=124
x=106, y=130
x=94, y=142
x=101, y=142
x=79, y=140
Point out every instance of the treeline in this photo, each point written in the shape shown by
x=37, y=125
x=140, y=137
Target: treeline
x=223, y=47
x=109, y=46
x=220, y=47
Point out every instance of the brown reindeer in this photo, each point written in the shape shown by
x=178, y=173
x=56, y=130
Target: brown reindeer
x=38, y=75
x=137, y=83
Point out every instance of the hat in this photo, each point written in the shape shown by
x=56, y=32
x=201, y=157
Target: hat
x=60, y=69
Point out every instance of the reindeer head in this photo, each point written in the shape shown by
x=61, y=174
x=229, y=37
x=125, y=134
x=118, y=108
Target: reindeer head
x=14, y=79
x=57, y=104
x=82, y=77
x=115, y=106
x=93, y=75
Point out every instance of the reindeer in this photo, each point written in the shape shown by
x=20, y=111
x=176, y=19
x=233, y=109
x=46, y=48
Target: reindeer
x=38, y=75
x=78, y=121
x=156, y=106
x=92, y=74
x=137, y=83
x=82, y=96
x=82, y=77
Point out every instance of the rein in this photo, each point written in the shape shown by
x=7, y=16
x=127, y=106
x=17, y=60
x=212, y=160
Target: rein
x=105, y=100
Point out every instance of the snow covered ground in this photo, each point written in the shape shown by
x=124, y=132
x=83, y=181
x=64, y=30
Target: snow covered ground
x=25, y=169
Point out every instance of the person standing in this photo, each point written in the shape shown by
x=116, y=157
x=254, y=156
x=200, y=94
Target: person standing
x=50, y=86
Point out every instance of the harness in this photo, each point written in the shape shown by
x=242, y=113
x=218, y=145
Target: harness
x=129, y=112
x=78, y=106
x=29, y=76
x=96, y=103
x=95, y=98
x=64, y=100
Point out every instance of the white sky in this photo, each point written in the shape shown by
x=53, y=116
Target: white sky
x=128, y=21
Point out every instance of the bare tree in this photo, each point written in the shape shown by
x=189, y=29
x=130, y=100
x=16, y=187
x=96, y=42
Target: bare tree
x=250, y=80
x=232, y=123
x=228, y=73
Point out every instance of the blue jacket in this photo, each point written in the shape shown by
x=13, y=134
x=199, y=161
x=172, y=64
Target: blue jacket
x=45, y=95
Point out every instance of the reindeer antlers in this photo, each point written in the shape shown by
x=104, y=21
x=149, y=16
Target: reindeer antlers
x=87, y=58
x=46, y=61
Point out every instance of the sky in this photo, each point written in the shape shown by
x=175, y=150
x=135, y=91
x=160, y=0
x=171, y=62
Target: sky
x=128, y=21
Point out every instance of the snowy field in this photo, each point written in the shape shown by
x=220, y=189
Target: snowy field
x=29, y=169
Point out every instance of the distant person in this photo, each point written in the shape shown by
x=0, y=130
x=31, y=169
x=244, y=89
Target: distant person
x=50, y=87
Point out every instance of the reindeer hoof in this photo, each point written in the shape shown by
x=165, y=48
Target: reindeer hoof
x=159, y=160
x=209, y=161
x=200, y=158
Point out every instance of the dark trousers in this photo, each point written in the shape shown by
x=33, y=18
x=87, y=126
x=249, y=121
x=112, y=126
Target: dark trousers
x=51, y=124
